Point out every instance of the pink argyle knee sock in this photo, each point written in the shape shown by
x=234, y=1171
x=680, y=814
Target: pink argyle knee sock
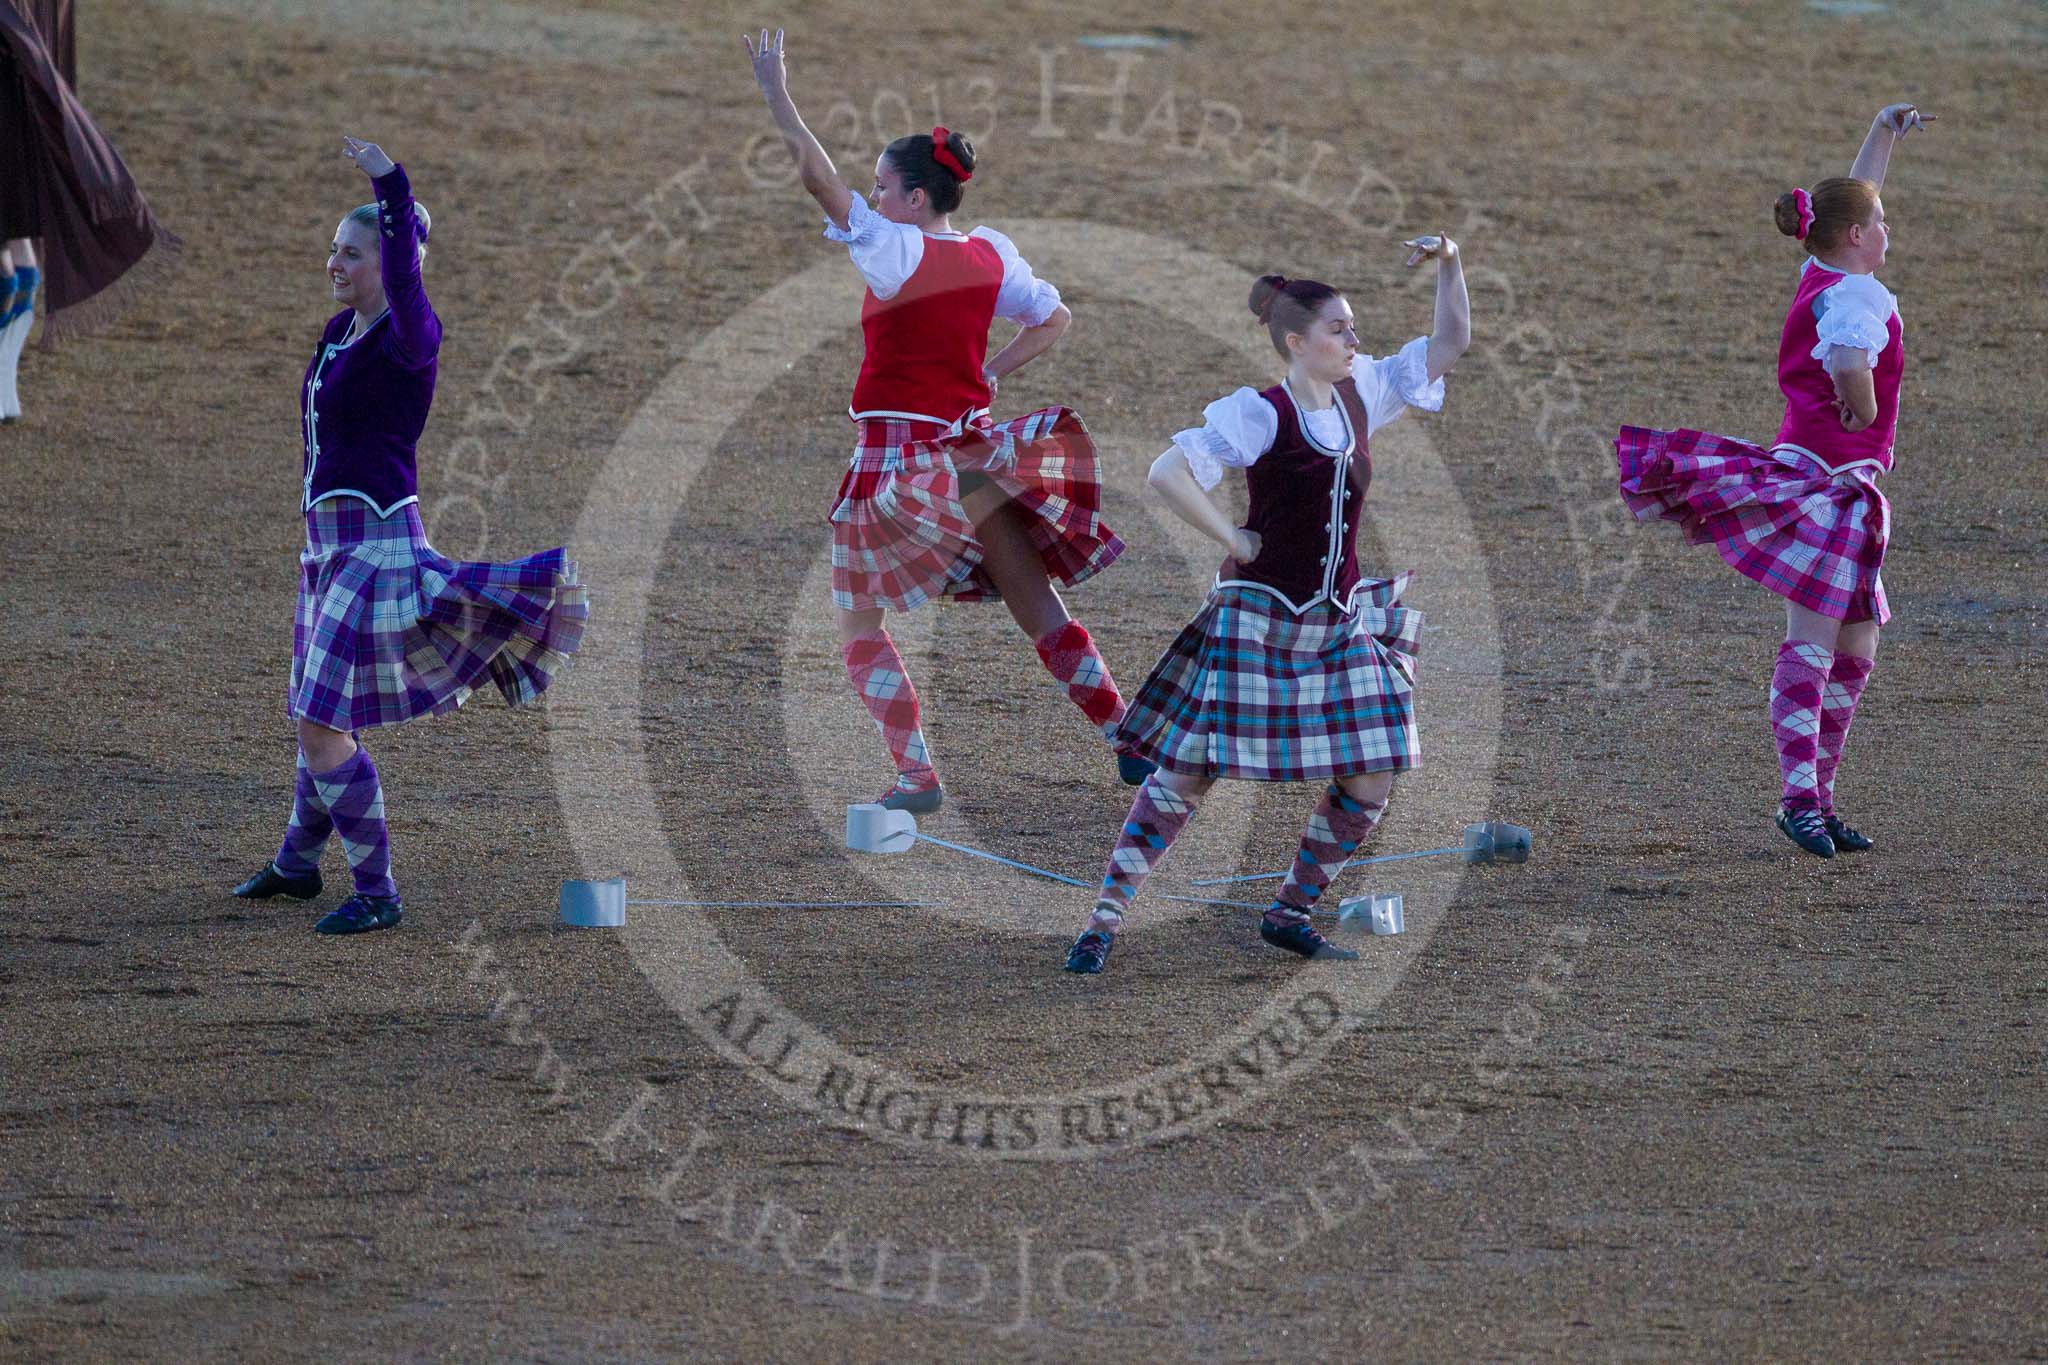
x=1069, y=654
x=880, y=680
x=1797, y=685
x=1837, y=712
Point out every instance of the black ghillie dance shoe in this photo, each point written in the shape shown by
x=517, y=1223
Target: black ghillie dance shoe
x=271, y=882
x=1089, y=952
x=361, y=914
x=1846, y=839
x=1294, y=933
x=1807, y=828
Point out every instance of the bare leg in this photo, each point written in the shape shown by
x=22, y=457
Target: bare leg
x=1370, y=789
x=854, y=624
x=325, y=749
x=1012, y=560
x=1858, y=638
x=1807, y=626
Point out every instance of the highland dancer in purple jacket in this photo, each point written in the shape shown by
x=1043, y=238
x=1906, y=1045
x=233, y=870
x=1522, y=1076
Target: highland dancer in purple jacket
x=1296, y=668
x=388, y=630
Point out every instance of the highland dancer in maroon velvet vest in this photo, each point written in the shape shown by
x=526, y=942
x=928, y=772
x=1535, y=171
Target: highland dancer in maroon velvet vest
x=1296, y=668
x=388, y=630
x=1805, y=517
x=939, y=501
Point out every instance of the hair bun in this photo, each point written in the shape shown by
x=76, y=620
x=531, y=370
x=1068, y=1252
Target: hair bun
x=1266, y=290
x=962, y=149
x=1785, y=213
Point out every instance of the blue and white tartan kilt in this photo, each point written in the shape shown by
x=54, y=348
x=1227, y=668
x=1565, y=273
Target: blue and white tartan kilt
x=1250, y=690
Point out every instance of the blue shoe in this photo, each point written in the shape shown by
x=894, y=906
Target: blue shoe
x=1134, y=770
x=271, y=882
x=1299, y=937
x=361, y=914
x=1089, y=952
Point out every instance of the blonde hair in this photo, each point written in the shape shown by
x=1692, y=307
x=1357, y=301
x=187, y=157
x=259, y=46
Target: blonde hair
x=367, y=215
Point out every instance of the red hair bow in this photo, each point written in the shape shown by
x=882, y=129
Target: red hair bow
x=943, y=154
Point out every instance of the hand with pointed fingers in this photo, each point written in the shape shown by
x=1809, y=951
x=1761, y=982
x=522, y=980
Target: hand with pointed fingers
x=1422, y=249
x=368, y=157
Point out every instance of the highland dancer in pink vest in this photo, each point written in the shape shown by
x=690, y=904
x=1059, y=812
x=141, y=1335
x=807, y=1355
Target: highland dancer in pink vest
x=1805, y=517
x=940, y=501
x=1296, y=668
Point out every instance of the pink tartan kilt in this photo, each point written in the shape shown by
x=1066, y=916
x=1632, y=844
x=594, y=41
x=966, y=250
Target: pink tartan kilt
x=1811, y=537
x=900, y=536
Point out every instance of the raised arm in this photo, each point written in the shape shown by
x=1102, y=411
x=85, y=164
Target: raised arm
x=415, y=334
x=1451, y=331
x=1893, y=122
x=814, y=168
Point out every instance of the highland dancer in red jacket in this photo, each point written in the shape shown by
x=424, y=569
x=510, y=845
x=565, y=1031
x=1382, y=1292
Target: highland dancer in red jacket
x=939, y=500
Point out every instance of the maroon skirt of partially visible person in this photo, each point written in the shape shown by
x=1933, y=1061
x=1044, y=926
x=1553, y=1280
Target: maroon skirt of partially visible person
x=18, y=213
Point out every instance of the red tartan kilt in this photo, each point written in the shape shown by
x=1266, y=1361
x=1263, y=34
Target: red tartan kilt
x=901, y=536
x=1811, y=537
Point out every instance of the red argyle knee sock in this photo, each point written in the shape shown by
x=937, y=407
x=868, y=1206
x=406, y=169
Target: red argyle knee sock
x=1797, y=685
x=1157, y=816
x=306, y=835
x=1069, y=655
x=1340, y=824
x=355, y=802
x=1837, y=711
x=877, y=673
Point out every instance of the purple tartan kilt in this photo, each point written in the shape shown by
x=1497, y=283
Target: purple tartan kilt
x=901, y=536
x=1774, y=516
x=1250, y=690
x=389, y=630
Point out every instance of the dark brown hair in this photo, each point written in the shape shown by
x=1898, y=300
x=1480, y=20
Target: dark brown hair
x=1286, y=305
x=920, y=170
x=1840, y=202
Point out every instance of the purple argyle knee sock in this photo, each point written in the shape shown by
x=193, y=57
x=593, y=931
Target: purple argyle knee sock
x=355, y=800
x=306, y=836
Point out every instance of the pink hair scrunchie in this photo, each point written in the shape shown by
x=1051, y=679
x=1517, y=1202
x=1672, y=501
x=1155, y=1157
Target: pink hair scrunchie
x=1803, y=201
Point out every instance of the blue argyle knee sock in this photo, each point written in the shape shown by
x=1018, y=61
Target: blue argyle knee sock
x=1339, y=825
x=1158, y=814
